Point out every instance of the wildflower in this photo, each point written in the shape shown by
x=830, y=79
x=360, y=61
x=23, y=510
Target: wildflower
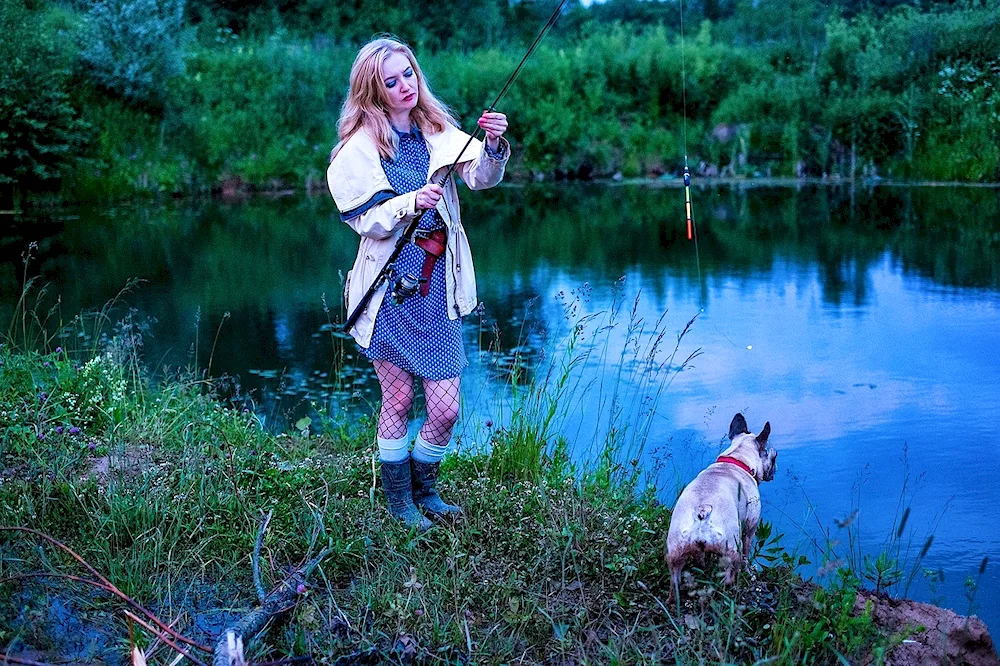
x=59, y=350
x=419, y=612
x=45, y=364
x=41, y=436
x=59, y=430
x=92, y=445
x=489, y=423
x=74, y=431
x=301, y=589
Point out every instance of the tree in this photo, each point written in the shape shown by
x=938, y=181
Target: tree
x=40, y=131
x=131, y=47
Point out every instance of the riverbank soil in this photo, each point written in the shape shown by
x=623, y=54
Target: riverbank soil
x=934, y=635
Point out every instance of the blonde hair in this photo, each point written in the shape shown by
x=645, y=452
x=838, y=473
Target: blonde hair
x=365, y=106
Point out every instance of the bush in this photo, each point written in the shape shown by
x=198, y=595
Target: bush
x=39, y=128
x=132, y=47
x=264, y=112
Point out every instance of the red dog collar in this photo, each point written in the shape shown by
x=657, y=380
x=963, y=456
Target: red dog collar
x=739, y=463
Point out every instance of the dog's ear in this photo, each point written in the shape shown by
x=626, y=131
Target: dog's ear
x=771, y=465
x=762, y=437
x=738, y=426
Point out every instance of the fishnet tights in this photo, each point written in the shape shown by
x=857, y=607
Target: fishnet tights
x=442, y=410
x=397, y=399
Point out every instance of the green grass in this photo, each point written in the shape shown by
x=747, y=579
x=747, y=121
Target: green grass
x=161, y=487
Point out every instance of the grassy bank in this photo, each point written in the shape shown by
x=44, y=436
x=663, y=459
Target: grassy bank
x=161, y=488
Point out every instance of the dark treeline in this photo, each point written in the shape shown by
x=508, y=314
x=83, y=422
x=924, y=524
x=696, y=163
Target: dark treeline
x=114, y=98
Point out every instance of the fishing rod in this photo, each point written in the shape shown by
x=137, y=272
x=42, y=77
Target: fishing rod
x=408, y=285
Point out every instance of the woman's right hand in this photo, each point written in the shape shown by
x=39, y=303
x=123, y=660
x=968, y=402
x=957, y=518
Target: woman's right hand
x=428, y=196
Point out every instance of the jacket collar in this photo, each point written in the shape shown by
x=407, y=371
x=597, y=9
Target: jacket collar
x=414, y=132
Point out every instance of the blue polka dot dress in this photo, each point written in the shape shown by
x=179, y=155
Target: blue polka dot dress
x=417, y=334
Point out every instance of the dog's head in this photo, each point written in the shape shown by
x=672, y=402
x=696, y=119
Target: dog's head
x=752, y=449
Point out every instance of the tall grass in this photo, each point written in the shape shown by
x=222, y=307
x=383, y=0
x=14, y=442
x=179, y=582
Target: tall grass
x=610, y=361
x=161, y=487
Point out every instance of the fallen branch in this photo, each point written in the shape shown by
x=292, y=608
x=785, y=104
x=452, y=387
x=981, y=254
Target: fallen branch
x=286, y=661
x=167, y=641
x=229, y=646
x=7, y=659
x=78, y=579
x=107, y=584
x=279, y=600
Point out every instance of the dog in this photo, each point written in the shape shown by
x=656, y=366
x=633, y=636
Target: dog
x=718, y=512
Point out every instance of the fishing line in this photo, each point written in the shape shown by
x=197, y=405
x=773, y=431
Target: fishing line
x=692, y=229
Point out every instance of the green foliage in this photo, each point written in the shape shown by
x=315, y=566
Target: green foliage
x=828, y=630
x=40, y=131
x=259, y=111
x=50, y=396
x=765, y=88
x=548, y=563
x=133, y=47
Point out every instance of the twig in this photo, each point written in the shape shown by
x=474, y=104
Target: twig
x=287, y=660
x=110, y=586
x=6, y=658
x=155, y=645
x=167, y=641
x=78, y=579
x=261, y=595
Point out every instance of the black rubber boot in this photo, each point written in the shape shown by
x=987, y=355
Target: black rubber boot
x=399, y=494
x=425, y=495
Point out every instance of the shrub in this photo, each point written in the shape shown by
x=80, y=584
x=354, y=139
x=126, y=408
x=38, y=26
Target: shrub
x=262, y=111
x=131, y=47
x=39, y=127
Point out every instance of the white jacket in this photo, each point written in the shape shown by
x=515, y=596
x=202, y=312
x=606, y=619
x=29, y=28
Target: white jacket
x=356, y=177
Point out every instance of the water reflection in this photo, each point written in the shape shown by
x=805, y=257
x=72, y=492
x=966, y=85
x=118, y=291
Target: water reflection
x=860, y=323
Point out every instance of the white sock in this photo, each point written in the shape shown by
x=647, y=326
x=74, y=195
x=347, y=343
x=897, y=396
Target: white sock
x=393, y=450
x=425, y=452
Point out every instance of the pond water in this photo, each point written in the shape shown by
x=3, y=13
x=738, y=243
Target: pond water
x=861, y=323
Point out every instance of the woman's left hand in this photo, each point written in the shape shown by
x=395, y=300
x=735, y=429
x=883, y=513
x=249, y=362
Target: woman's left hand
x=494, y=124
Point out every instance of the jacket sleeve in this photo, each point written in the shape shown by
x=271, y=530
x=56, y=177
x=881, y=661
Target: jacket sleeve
x=487, y=169
x=381, y=215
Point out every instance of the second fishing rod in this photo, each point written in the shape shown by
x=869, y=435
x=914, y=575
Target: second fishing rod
x=405, y=285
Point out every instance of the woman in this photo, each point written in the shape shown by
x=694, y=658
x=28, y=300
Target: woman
x=396, y=142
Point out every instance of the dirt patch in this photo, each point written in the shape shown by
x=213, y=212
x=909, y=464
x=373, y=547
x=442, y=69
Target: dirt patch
x=944, y=636
x=129, y=463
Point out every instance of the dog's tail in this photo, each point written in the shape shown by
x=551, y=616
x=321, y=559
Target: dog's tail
x=704, y=511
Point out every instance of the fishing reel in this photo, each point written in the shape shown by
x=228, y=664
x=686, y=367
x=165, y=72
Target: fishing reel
x=404, y=285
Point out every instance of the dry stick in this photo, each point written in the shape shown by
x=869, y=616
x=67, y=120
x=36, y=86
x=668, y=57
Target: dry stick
x=86, y=581
x=288, y=660
x=261, y=595
x=167, y=641
x=6, y=658
x=155, y=645
x=111, y=586
x=275, y=603
x=78, y=579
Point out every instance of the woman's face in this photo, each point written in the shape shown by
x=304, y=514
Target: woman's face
x=400, y=83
